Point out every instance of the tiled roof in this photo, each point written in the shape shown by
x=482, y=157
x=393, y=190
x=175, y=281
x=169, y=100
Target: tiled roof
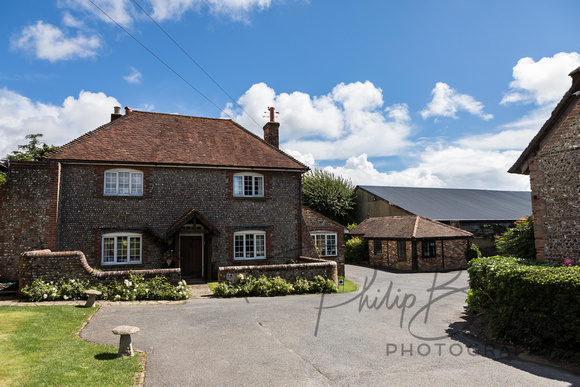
x=445, y=204
x=407, y=227
x=168, y=139
x=316, y=219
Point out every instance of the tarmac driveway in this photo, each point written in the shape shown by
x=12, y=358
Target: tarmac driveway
x=401, y=329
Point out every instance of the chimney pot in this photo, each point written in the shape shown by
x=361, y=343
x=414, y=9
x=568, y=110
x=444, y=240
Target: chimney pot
x=575, y=78
x=271, y=130
x=116, y=113
x=128, y=110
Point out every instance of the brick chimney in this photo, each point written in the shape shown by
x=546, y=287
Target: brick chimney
x=271, y=129
x=116, y=113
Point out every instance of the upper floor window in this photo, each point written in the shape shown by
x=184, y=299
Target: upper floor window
x=250, y=245
x=123, y=182
x=121, y=248
x=325, y=244
x=248, y=184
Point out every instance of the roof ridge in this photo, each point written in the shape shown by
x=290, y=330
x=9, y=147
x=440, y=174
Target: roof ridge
x=416, y=226
x=177, y=115
x=268, y=144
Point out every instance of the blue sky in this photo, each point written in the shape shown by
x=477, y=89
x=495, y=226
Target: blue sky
x=402, y=93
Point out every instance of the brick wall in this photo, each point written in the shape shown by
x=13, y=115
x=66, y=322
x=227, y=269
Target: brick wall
x=310, y=269
x=52, y=266
x=450, y=255
x=28, y=212
x=170, y=193
x=555, y=183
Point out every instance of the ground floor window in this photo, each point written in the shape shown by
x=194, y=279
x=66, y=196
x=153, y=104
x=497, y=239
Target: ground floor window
x=401, y=249
x=429, y=249
x=250, y=245
x=121, y=248
x=378, y=247
x=325, y=244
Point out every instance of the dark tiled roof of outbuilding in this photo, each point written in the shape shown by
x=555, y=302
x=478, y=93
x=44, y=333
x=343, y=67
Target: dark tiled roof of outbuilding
x=169, y=139
x=407, y=227
x=445, y=204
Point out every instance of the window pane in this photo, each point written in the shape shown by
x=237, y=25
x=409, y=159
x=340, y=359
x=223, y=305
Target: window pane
x=258, y=186
x=123, y=183
x=247, y=185
x=136, y=184
x=402, y=249
x=378, y=245
x=260, y=245
x=250, y=246
x=320, y=244
x=109, y=250
x=110, y=183
x=135, y=252
x=239, y=246
x=122, y=249
x=238, y=185
x=331, y=245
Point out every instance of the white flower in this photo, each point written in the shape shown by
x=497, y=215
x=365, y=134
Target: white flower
x=54, y=294
x=44, y=296
x=117, y=297
x=65, y=297
x=72, y=281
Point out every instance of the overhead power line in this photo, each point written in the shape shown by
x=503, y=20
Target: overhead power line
x=194, y=61
x=161, y=60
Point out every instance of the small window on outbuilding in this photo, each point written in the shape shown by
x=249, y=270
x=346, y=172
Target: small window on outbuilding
x=378, y=247
x=429, y=249
x=401, y=249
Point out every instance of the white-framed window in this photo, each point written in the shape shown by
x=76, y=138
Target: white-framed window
x=249, y=245
x=123, y=182
x=325, y=243
x=121, y=248
x=248, y=184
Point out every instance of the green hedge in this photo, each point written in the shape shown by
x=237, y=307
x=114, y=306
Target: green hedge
x=134, y=288
x=356, y=250
x=535, y=304
x=248, y=286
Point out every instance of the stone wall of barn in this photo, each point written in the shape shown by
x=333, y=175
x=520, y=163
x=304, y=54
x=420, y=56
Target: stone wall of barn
x=555, y=183
x=28, y=212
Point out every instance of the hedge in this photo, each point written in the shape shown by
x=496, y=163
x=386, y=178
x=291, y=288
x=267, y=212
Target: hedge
x=535, y=304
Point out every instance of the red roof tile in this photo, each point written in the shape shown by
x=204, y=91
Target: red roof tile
x=406, y=227
x=157, y=138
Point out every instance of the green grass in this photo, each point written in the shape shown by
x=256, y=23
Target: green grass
x=39, y=346
x=348, y=287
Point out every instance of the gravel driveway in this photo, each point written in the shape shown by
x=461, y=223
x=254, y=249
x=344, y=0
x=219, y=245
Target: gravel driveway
x=399, y=329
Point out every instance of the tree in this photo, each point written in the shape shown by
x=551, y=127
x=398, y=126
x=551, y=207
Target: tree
x=518, y=241
x=32, y=151
x=332, y=196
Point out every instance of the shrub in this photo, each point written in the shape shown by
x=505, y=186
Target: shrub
x=518, y=241
x=356, y=250
x=248, y=286
x=133, y=288
x=472, y=252
x=531, y=303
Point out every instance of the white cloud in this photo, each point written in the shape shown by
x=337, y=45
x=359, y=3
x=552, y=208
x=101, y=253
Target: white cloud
x=120, y=10
x=134, y=77
x=448, y=166
x=542, y=82
x=447, y=102
x=349, y=120
x=506, y=139
x=69, y=20
x=49, y=42
x=20, y=116
x=307, y=159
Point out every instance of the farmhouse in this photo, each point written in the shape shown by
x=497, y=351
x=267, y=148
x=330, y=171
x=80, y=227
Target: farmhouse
x=552, y=162
x=145, y=183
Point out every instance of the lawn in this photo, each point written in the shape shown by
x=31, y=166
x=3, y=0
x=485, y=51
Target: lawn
x=40, y=347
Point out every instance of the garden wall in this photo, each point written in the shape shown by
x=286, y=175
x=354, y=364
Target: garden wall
x=51, y=266
x=309, y=269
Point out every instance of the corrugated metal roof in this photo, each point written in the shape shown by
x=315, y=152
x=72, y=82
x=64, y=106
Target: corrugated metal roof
x=446, y=204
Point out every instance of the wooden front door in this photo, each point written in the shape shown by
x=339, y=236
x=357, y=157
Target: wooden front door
x=191, y=248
